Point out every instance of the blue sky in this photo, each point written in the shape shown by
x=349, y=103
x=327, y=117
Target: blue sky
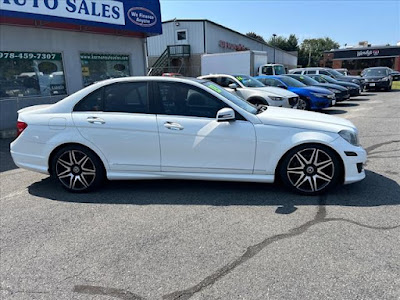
x=347, y=22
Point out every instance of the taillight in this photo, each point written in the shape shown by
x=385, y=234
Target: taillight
x=21, y=127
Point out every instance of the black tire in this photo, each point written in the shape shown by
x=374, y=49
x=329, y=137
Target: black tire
x=303, y=104
x=310, y=169
x=77, y=169
x=257, y=101
x=389, y=88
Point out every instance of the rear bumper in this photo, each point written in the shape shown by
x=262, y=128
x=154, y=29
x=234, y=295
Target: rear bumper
x=33, y=160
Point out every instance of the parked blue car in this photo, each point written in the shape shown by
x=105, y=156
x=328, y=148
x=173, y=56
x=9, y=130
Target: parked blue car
x=311, y=97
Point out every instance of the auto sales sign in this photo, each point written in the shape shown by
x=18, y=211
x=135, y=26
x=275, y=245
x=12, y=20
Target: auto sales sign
x=129, y=15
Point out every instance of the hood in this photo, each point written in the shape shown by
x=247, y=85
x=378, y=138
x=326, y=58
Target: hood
x=374, y=77
x=316, y=89
x=349, y=84
x=350, y=77
x=295, y=118
x=275, y=91
x=332, y=86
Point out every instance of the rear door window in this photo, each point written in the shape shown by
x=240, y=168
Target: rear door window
x=92, y=102
x=127, y=97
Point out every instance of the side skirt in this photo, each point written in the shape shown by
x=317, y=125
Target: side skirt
x=190, y=176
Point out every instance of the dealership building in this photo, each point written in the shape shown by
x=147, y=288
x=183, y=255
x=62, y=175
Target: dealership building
x=357, y=59
x=183, y=41
x=52, y=48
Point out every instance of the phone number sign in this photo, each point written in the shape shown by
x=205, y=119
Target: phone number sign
x=30, y=55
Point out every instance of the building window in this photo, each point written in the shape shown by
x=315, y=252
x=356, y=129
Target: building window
x=25, y=74
x=181, y=35
x=97, y=67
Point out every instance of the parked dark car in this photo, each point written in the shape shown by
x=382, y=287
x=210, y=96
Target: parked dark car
x=311, y=97
x=378, y=78
x=329, y=72
x=354, y=89
x=341, y=93
x=395, y=75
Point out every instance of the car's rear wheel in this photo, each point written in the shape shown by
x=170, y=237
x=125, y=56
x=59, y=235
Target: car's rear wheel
x=78, y=169
x=310, y=169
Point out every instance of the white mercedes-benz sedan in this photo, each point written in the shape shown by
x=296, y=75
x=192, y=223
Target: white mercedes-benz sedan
x=181, y=128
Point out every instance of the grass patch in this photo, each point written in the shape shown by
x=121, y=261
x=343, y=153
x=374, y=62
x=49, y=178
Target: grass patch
x=396, y=85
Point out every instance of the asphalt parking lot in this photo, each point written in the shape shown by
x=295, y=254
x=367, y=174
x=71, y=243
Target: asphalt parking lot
x=210, y=240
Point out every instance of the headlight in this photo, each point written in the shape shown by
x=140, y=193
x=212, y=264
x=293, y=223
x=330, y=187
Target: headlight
x=356, y=81
x=334, y=90
x=384, y=79
x=319, y=95
x=276, y=98
x=349, y=136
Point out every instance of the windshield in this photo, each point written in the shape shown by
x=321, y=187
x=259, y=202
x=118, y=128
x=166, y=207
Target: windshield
x=291, y=82
x=335, y=73
x=305, y=79
x=238, y=101
x=329, y=79
x=279, y=70
x=248, y=81
x=376, y=72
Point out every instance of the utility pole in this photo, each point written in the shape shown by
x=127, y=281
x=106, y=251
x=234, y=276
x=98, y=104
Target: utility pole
x=273, y=38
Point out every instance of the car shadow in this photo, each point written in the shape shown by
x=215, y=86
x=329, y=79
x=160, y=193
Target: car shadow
x=367, y=94
x=358, y=99
x=346, y=104
x=334, y=111
x=6, y=162
x=374, y=190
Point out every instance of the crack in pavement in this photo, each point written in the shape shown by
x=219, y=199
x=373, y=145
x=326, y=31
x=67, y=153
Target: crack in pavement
x=251, y=251
x=9, y=290
x=104, y=291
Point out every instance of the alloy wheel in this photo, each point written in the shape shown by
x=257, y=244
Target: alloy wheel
x=302, y=104
x=75, y=170
x=310, y=170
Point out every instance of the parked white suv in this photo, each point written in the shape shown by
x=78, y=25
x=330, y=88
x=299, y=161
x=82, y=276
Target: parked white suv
x=253, y=91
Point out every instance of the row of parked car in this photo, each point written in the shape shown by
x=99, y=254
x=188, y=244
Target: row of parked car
x=304, y=88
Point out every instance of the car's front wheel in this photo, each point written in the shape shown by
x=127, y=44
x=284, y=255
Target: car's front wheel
x=303, y=104
x=310, y=169
x=77, y=168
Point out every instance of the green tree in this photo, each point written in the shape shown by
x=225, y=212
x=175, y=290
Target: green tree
x=287, y=44
x=255, y=36
x=312, y=50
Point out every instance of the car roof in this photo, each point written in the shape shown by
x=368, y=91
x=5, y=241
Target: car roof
x=150, y=78
x=376, y=68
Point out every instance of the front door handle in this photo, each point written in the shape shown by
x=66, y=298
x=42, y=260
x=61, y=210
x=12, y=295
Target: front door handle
x=95, y=120
x=173, y=126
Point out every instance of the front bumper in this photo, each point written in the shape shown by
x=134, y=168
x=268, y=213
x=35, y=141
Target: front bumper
x=319, y=103
x=377, y=84
x=341, y=96
x=354, y=158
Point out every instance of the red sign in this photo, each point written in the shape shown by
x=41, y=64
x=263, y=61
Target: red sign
x=236, y=47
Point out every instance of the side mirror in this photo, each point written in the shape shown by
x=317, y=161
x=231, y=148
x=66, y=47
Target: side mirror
x=226, y=114
x=233, y=86
x=282, y=87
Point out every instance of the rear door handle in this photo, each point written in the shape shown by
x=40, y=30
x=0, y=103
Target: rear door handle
x=95, y=120
x=173, y=126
